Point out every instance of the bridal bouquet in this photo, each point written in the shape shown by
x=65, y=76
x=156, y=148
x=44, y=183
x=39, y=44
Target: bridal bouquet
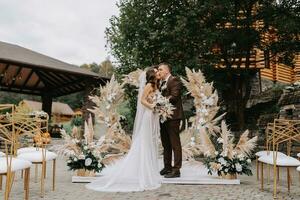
x=162, y=106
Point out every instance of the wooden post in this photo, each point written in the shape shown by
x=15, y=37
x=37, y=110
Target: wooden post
x=47, y=104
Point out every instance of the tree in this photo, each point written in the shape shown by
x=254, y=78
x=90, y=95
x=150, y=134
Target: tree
x=204, y=34
x=106, y=68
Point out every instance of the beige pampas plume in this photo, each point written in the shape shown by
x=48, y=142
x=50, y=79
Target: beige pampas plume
x=89, y=130
x=245, y=145
x=207, y=145
x=132, y=78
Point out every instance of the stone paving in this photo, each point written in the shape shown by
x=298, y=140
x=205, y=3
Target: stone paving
x=65, y=190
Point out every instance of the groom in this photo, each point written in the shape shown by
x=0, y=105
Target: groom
x=170, y=87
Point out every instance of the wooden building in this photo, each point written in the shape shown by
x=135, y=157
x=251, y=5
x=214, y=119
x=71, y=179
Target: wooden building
x=61, y=112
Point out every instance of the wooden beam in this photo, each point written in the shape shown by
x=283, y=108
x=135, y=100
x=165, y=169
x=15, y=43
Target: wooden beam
x=53, y=80
x=51, y=76
x=45, y=80
x=66, y=77
x=15, y=77
x=3, y=73
x=27, y=79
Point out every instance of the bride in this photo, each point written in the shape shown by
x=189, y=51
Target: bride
x=138, y=170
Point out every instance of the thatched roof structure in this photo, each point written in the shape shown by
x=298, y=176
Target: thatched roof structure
x=58, y=108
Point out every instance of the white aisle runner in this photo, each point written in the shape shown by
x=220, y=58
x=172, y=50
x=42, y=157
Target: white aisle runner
x=196, y=173
x=191, y=173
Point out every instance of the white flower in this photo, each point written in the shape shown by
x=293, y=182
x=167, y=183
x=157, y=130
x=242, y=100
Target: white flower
x=226, y=170
x=203, y=110
x=224, y=153
x=202, y=95
x=220, y=140
x=234, y=153
x=222, y=161
x=216, y=153
x=69, y=161
x=85, y=147
x=248, y=160
x=99, y=165
x=106, y=119
x=88, y=162
x=241, y=157
x=75, y=159
x=81, y=157
x=207, y=153
x=108, y=107
x=201, y=121
x=238, y=167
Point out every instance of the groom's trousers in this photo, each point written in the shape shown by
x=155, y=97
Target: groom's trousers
x=171, y=142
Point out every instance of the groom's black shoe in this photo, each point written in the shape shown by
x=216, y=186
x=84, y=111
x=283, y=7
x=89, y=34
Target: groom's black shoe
x=165, y=171
x=173, y=174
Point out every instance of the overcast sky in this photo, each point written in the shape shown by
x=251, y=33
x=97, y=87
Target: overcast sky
x=69, y=30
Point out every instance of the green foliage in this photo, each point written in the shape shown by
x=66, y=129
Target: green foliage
x=88, y=160
x=223, y=164
x=77, y=121
x=131, y=101
x=13, y=98
x=193, y=34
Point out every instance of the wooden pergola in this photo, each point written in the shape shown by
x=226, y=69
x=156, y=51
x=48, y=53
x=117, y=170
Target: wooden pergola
x=28, y=72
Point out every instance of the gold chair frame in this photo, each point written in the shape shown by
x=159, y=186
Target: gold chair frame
x=284, y=131
x=7, y=129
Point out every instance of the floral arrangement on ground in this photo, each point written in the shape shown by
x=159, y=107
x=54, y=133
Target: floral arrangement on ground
x=227, y=158
x=89, y=158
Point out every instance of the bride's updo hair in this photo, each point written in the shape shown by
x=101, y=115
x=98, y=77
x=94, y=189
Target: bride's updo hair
x=151, y=77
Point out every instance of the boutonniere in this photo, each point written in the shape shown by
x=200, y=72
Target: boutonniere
x=163, y=87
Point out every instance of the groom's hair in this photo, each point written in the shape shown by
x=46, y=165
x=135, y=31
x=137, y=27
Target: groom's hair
x=166, y=64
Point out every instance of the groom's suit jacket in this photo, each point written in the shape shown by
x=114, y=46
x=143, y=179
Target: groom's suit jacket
x=172, y=90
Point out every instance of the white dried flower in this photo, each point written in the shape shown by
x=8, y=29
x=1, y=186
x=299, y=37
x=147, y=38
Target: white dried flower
x=220, y=140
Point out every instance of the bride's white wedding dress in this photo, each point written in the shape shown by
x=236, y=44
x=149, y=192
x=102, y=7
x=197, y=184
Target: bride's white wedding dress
x=138, y=170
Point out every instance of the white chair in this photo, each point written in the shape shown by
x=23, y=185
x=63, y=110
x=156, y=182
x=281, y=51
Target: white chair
x=41, y=158
x=265, y=153
x=298, y=155
x=9, y=171
x=28, y=150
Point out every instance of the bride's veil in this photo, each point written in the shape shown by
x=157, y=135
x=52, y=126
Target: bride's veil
x=140, y=109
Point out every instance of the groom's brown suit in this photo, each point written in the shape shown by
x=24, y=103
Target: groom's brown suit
x=170, y=129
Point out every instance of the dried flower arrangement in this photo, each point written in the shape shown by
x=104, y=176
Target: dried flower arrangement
x=227, y=158
x=83, y=153
x=223, y=157
x=115, y=142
